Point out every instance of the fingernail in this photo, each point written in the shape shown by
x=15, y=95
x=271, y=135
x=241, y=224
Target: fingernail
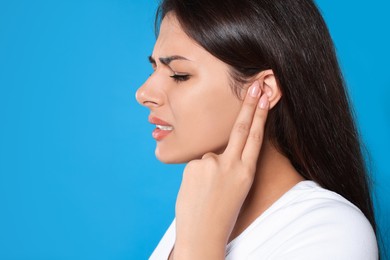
x=254, y=89
x=263, y=102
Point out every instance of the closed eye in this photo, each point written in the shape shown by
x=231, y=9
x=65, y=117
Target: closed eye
x=180, y=77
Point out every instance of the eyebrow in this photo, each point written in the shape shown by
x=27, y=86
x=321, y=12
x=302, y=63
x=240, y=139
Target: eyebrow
x=167, y=60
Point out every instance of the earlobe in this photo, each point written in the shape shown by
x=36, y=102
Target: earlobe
x=270, y=86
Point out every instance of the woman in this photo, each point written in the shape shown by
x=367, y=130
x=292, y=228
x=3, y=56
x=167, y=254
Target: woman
x=251, y=95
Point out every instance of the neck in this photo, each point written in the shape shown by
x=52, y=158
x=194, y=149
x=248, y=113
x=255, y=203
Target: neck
x=275, y=175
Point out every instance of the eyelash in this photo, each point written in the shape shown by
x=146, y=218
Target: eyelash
x=180, y=78
x=176, y=77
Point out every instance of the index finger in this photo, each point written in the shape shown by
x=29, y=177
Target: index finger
x=254, y=142
x=242, y=126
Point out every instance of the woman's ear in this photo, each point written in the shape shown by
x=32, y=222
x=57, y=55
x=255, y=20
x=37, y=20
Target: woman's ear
x=270, y=86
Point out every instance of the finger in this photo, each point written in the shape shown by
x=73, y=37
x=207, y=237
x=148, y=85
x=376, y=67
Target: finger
x=208, y=155
x=251, y=151
x=242, y=126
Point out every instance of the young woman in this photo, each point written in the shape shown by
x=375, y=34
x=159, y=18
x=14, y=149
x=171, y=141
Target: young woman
x=250, y=94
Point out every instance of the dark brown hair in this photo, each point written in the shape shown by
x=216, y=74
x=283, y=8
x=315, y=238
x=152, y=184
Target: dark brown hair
x=312, y=124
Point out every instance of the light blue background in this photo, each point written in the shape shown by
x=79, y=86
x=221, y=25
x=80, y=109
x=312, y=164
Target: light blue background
x=78, y=177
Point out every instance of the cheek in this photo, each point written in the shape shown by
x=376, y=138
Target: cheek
x=206, y=119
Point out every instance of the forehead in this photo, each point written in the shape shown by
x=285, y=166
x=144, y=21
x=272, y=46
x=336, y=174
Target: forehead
x=172, y=40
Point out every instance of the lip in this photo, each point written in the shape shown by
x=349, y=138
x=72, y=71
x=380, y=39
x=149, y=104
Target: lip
x=157, y=121
x=159, y=134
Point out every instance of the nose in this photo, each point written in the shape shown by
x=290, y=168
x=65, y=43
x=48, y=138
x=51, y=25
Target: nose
x=148, y=95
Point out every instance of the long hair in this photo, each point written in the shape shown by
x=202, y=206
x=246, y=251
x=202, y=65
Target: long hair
x=313, y=123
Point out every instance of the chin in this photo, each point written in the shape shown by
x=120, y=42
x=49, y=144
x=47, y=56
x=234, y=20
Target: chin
x=170, y=158
x=177, y=157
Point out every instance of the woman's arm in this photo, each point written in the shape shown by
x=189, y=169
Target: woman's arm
x=214, y=188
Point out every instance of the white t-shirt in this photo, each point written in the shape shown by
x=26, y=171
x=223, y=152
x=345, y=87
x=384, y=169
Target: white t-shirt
x=307, y=222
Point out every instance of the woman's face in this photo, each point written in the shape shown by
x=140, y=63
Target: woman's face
x=189, y=97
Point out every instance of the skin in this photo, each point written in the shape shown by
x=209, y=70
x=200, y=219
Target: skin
x=202, y=109
x=221, y=138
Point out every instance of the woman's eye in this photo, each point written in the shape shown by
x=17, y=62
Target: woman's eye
x=180, y=77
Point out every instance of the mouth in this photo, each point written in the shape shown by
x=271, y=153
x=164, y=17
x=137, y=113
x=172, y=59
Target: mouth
x=165, y=127
x=162, y=130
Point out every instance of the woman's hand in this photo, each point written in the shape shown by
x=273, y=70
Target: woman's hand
x=214, y=188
